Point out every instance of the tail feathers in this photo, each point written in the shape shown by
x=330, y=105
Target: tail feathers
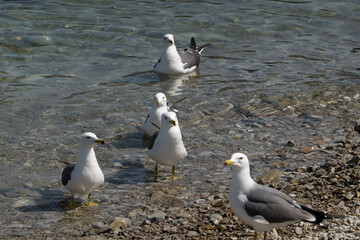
x=199, y=49
x=192, y=45
x=319, y=216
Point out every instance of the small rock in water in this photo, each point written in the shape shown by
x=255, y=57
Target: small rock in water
x=98, y=225
x=290, y=143
x=120, y=222
x=105, y=229
x=159, y=216
x=23, y=203
x=298, y=177
x=278, y=164
x=309, y=149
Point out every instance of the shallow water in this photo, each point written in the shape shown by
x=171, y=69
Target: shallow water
x=73, y=66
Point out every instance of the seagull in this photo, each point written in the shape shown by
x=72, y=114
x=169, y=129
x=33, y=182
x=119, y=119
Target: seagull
x=262, y=207
x=174, y=62
x=84, y=176
x=152, y=122
x=167, y=147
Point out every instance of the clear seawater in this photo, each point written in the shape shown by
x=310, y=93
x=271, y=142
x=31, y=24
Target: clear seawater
x=68, y=67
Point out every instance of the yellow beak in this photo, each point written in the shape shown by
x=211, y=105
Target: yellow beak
x=228, y=162
x=158, y=102
x=100, y=141
x=172, y=122
x=170, y=41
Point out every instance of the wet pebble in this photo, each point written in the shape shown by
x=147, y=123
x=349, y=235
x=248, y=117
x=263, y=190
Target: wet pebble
x=23, y=202
x=98, y=225
x=218, y=203
x=158, y=216
x=192, y=234
x=120, y=223
x=270, y=177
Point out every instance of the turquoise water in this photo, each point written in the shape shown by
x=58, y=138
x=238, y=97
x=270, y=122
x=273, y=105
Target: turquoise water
x=73, y=66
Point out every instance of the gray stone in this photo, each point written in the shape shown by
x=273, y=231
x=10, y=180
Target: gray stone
x=176, y=202
x=98, y=225
x=192, y=233
x=105, y=229
x=171, y=201
x=23, y=202
x=298, y=177
x=145, y=222
x=298, y=230
x=270, y=177
x=215, y=218
x=218, y=203
x=120, y=222
x=159, y=216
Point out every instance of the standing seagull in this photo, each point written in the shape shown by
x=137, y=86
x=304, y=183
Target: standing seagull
x=152, y=122
x=84, y=176
x=172, y=62
x=263, y=207
x=167, y=147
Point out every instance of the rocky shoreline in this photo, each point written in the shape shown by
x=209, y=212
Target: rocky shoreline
x=133, y=206
x=333, y=187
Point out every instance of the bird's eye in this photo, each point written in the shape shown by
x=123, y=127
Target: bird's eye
x=166, y=118
x=88, y=137
x=240, y=158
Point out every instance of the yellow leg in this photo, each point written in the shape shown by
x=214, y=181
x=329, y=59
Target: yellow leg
x=173, y=174
x=72, y=205
x=255, y=236
x=91, y=203
x=265, y=235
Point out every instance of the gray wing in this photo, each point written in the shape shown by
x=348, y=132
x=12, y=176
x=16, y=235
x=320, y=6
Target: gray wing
x=152, y=140
x=190, y=58
x=274, y=206
x=66, y=174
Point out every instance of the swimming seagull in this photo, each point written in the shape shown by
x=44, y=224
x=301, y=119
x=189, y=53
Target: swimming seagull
x=84, y=176
x=262, y=207
x=174, y=62
x=152, y=122
x=167, y=147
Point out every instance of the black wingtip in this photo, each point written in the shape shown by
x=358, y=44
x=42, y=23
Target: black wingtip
x=199, y=49
x=319, y=216
x=192, y=43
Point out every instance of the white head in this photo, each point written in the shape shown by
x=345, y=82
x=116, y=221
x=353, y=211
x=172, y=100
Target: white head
x=160, y=100
x=238, y=162
x=168, y=120
x=168, y=40
x=90, y=139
